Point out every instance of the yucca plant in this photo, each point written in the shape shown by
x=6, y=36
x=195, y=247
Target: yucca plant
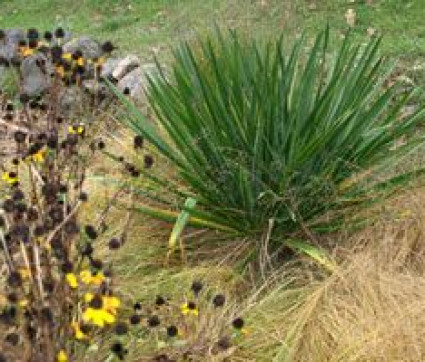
x=298, y=138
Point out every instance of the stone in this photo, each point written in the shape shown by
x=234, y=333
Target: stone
x=89, y=47
x=9, y=46
x=125, y=66
x=133, y=81
x=136, y=81
x=109, y=66
x=35, y=72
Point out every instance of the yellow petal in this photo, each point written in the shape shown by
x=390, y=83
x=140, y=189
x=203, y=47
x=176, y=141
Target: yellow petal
x=85, y=276
x=79, y=334
x=25, y=273
x=97, y=279
x=184, y=309
x=108, y=317
x=23, y=303
x=62, y=357
x=27, y=52
x=88, y=297
x=111, y=302
x=72, y=280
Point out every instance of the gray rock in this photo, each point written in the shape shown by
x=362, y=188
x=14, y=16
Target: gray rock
x=109, y=66
x=9, y=46
x=125, y=66
x=35, y=71
x=90, y=47
x=136, y=81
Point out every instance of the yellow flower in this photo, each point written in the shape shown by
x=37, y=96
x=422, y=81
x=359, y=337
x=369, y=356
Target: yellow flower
x=189, y=308
x=72, y=280
x=62, y=357
x=66, y=56
x=79, y=334
x=88, y=297
x=80, y=62
x=39, y=156
x=25, y=273
x=77, y=129
x=10, y=177
x=110, y=304
x=98, y=317
x=87, y=277
x=23, y=303
x=100, y=61
x=26, y=52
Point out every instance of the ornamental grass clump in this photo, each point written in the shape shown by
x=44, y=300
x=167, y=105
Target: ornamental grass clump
x=276, y=138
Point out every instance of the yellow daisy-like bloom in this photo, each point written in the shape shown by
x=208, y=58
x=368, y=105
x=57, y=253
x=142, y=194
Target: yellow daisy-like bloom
x=26, y=52
x=25, y=273
x=67, y=56
x=87, y=277
x=23, y=303
x=100, y=61
x=98, y=317
x=78, y=129
x=78, y=333
x=61, y=356
x=189, y=308
x=80, y=61
x=10, y=177
x=88, y=297
x=109, y=303
x=71, y=279
x=39, y=156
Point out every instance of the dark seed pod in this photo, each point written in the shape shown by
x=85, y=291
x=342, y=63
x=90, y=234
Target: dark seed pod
x=90, y=231
x=238, y=323
x=121, y=328
x=59, y=33
x=154, y=321
x=14, y=279
x=135, y=319
x=196, y=287
x=12, y=339
x=219, y=300
x=172, y=331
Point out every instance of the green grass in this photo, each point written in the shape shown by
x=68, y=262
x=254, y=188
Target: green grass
x=139, y=25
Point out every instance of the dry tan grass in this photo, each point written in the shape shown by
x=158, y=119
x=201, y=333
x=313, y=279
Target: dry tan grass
x=372, y=308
